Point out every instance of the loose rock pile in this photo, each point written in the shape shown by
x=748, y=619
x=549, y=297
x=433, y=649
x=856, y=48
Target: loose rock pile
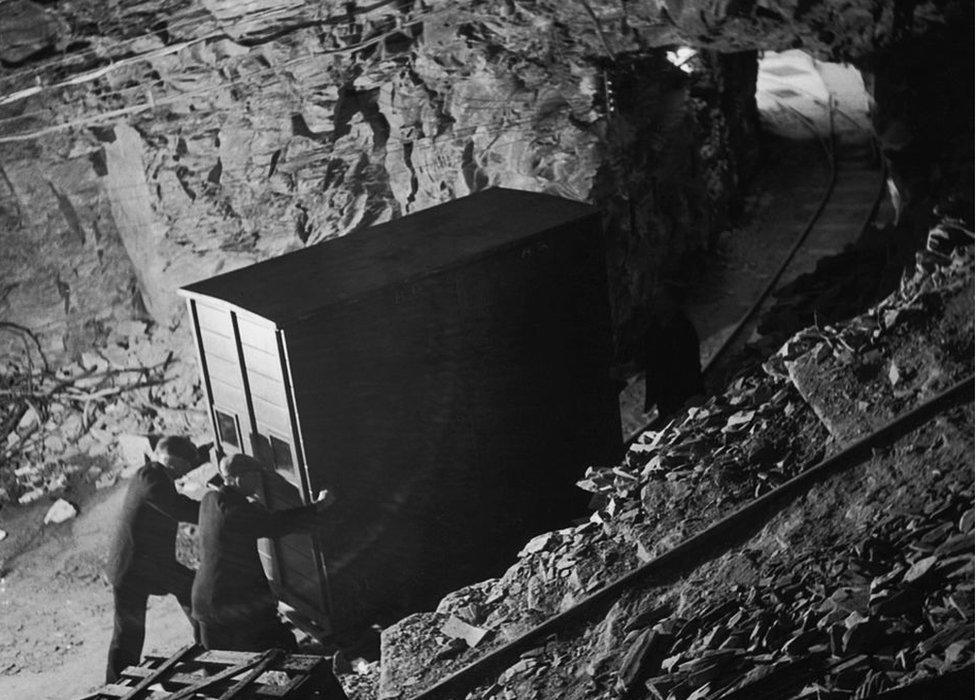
x=75, y=421
x=674, y=483
x=903, y=610
x=852, y=592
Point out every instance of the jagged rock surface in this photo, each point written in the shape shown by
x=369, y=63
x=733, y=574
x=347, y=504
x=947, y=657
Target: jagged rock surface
x=676, y=482
x=208, y=134
x=230, y=133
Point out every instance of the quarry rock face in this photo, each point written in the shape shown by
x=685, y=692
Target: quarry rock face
x=221, y=133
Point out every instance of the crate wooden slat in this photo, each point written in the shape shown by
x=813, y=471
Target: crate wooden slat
x=225, y=675
x=163, y=668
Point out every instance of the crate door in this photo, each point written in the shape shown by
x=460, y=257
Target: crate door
x=297, y=564
x=221, y=371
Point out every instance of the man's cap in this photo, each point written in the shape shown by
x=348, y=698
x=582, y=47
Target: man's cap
x=237, y=464
x=178, y=446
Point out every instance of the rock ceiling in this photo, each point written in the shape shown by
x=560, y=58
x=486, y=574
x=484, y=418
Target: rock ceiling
x=146, y=145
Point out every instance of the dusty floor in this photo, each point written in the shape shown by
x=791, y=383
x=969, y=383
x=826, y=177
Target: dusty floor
x=57, y=609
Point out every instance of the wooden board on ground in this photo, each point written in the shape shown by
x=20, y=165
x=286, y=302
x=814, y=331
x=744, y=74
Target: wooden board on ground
x=220, y=675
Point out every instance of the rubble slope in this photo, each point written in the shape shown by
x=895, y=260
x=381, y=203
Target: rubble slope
x=896, y=531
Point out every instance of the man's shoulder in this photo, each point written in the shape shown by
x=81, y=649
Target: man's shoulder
x=153, y=474
x=147, y=476
x=225, y=498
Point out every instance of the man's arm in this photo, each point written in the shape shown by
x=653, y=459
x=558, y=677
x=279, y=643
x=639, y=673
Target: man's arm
x=164, y=497
x=257, y=521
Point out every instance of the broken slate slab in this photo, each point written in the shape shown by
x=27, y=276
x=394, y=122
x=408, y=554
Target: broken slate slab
x=31, y=496
x=847, y=407
x=60, y=512
x=536, y=544
x=459, y=629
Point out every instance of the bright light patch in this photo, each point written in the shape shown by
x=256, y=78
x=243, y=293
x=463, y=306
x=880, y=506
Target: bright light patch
x=681, y=56
x=798, y=96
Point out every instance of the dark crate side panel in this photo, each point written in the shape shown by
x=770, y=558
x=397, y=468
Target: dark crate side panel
x=453, y=416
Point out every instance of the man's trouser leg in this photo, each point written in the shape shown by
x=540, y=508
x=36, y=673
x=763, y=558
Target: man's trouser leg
x=180, y=585
x=260, y=632
x=129, y=632
x=276, y=635
x=217, y=636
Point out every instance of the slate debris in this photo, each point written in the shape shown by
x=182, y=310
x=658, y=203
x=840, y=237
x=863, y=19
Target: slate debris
x=893, y=608
x=944, y=265
x=60, y=512
x=846, y=639
x=825, y=628
x=456, y=628
x=90, y=417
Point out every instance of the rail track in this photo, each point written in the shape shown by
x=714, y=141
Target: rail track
x=714, y=540
x=827, y=229
x=743, y=523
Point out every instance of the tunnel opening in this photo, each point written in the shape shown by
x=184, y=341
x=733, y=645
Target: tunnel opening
x=798, y=96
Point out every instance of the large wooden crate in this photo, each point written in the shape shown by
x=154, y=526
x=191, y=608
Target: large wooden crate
x=446, y=374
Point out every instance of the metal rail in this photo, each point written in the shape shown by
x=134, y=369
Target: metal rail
x=716, y=539
x=830, y=151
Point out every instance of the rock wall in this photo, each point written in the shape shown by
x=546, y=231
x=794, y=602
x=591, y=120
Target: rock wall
x=230, y=133
x=147, y=145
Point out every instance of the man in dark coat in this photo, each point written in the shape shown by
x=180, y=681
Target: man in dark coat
x=142, y=561
x=232, y=600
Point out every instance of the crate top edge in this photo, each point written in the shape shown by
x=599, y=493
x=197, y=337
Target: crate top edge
x=288, y=288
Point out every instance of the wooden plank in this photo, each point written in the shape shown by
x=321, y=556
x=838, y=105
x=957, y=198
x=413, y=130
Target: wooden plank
x=203, y=365
x=226, y=658
x=270, y=657
x=262, y=338
x=301, y=549
x=301, y=574
x=292, y=662
x=219, y=677
x=267, y=413
x=304, y=587
x=262, y=362
x=114, y=690
x=300, y=667
x=263, y=690
x=214, y=319
x=218, y=344
x=172, y=661
x=228, y=397
x=268, y=389
x=225, y=370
